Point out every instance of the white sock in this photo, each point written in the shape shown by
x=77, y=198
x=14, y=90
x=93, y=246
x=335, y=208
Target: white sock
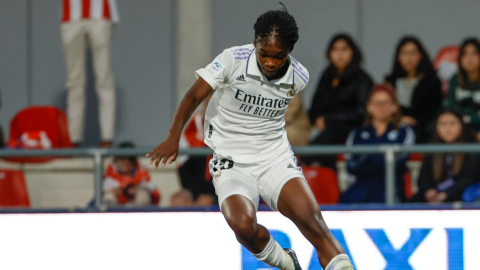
x=340, y=262
x=275, y=256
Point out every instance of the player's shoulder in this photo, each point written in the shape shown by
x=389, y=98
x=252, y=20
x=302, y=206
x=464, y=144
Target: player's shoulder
x=301, y=72
x=241, y=53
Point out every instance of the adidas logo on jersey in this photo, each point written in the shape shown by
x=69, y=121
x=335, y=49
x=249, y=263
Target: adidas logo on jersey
x=290, y=166
x=241, y=78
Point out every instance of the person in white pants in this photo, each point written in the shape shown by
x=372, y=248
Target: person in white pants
x=89, y=22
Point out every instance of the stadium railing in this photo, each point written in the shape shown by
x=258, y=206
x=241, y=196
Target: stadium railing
x=388, y=151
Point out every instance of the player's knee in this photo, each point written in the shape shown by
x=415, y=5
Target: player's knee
x=245, y=228
x=313, y=221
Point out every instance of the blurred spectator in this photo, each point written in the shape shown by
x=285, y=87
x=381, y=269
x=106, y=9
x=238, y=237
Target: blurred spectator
x=183, y=198
x=472, y=193
x=126, y=182
x=417, y=86
x=297, y=124
x=464, y=93
x=443, y=177
x=338, y=105
x=89, y=22
x=446, y=64
x=193, y=171
x=382, y=127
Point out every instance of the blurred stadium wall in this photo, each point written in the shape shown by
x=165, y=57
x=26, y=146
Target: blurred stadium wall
x=159, y=44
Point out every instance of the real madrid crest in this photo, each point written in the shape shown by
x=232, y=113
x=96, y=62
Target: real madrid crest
x=292, y=91
x=217, y=175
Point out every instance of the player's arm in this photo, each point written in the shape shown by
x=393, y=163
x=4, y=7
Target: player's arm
x=168, y=149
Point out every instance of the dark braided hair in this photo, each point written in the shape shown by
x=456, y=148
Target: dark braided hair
x=278, y=23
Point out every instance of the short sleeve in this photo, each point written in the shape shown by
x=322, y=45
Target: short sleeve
x=219, y=70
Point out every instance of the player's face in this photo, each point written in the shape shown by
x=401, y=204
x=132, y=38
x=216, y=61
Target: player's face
x=341, y=54
x=409, y=57
x=449, y=127
x=381, y=107
x=470, y=60
x=271, y=55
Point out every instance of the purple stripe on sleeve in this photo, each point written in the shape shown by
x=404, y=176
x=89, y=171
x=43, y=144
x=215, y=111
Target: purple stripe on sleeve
x=241, y=53
x=301, y=76
x=297, y=68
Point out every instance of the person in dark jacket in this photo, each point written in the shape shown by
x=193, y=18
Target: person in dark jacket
x=382, y=127
x=464, y=92
x=338, y=105
x=444, y=177
x=417, y=86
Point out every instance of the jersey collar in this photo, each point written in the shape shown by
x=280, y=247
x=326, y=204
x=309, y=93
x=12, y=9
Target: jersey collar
x=252, y=71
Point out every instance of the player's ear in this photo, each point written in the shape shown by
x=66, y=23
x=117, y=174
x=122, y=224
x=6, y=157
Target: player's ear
x=255, y=42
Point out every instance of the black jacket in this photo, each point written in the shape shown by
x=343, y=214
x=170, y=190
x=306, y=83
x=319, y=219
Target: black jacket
x=344, y=103
x=462, y=180
x=425, y=104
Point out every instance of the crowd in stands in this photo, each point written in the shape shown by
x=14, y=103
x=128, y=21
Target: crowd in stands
x=409, y=106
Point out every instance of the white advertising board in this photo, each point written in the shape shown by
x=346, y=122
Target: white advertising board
x=375, y=240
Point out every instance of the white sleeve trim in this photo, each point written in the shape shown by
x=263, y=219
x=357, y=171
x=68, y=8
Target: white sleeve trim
x=409, y=137
x=350, y=139
x=204, y=75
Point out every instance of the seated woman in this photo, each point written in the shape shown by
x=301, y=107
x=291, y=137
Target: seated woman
x=443, y=177
x=464, y=92
x=381, y=127
x=338, y=105
x=417, y=86
x=126, y=182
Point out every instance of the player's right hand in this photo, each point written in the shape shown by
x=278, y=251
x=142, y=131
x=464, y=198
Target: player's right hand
x=167, y=150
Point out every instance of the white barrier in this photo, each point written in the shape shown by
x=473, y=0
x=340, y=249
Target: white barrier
x=430, y=239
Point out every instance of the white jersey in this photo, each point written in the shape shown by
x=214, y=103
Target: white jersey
x=245, y=117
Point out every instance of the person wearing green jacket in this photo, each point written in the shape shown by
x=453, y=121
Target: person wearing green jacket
x=464, y=92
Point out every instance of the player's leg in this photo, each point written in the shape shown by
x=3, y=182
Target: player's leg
x=240, y=214
x=297, y=202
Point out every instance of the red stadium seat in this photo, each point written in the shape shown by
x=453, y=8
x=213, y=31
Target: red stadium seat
x=446, y=65
x=324, y=184
x=13, y=190
x=40, y=118
x=415, y=157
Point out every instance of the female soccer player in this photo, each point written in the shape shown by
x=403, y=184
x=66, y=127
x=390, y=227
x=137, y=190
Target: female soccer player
x=252, y=87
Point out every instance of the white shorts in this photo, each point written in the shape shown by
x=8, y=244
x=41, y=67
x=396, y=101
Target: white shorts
x=252, y=180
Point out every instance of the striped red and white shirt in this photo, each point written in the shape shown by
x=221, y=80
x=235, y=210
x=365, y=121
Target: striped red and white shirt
x=74, y=10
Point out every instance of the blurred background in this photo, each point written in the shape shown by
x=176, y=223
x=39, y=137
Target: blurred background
x=130, y=63
x=158, y=45
x=100, y=80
